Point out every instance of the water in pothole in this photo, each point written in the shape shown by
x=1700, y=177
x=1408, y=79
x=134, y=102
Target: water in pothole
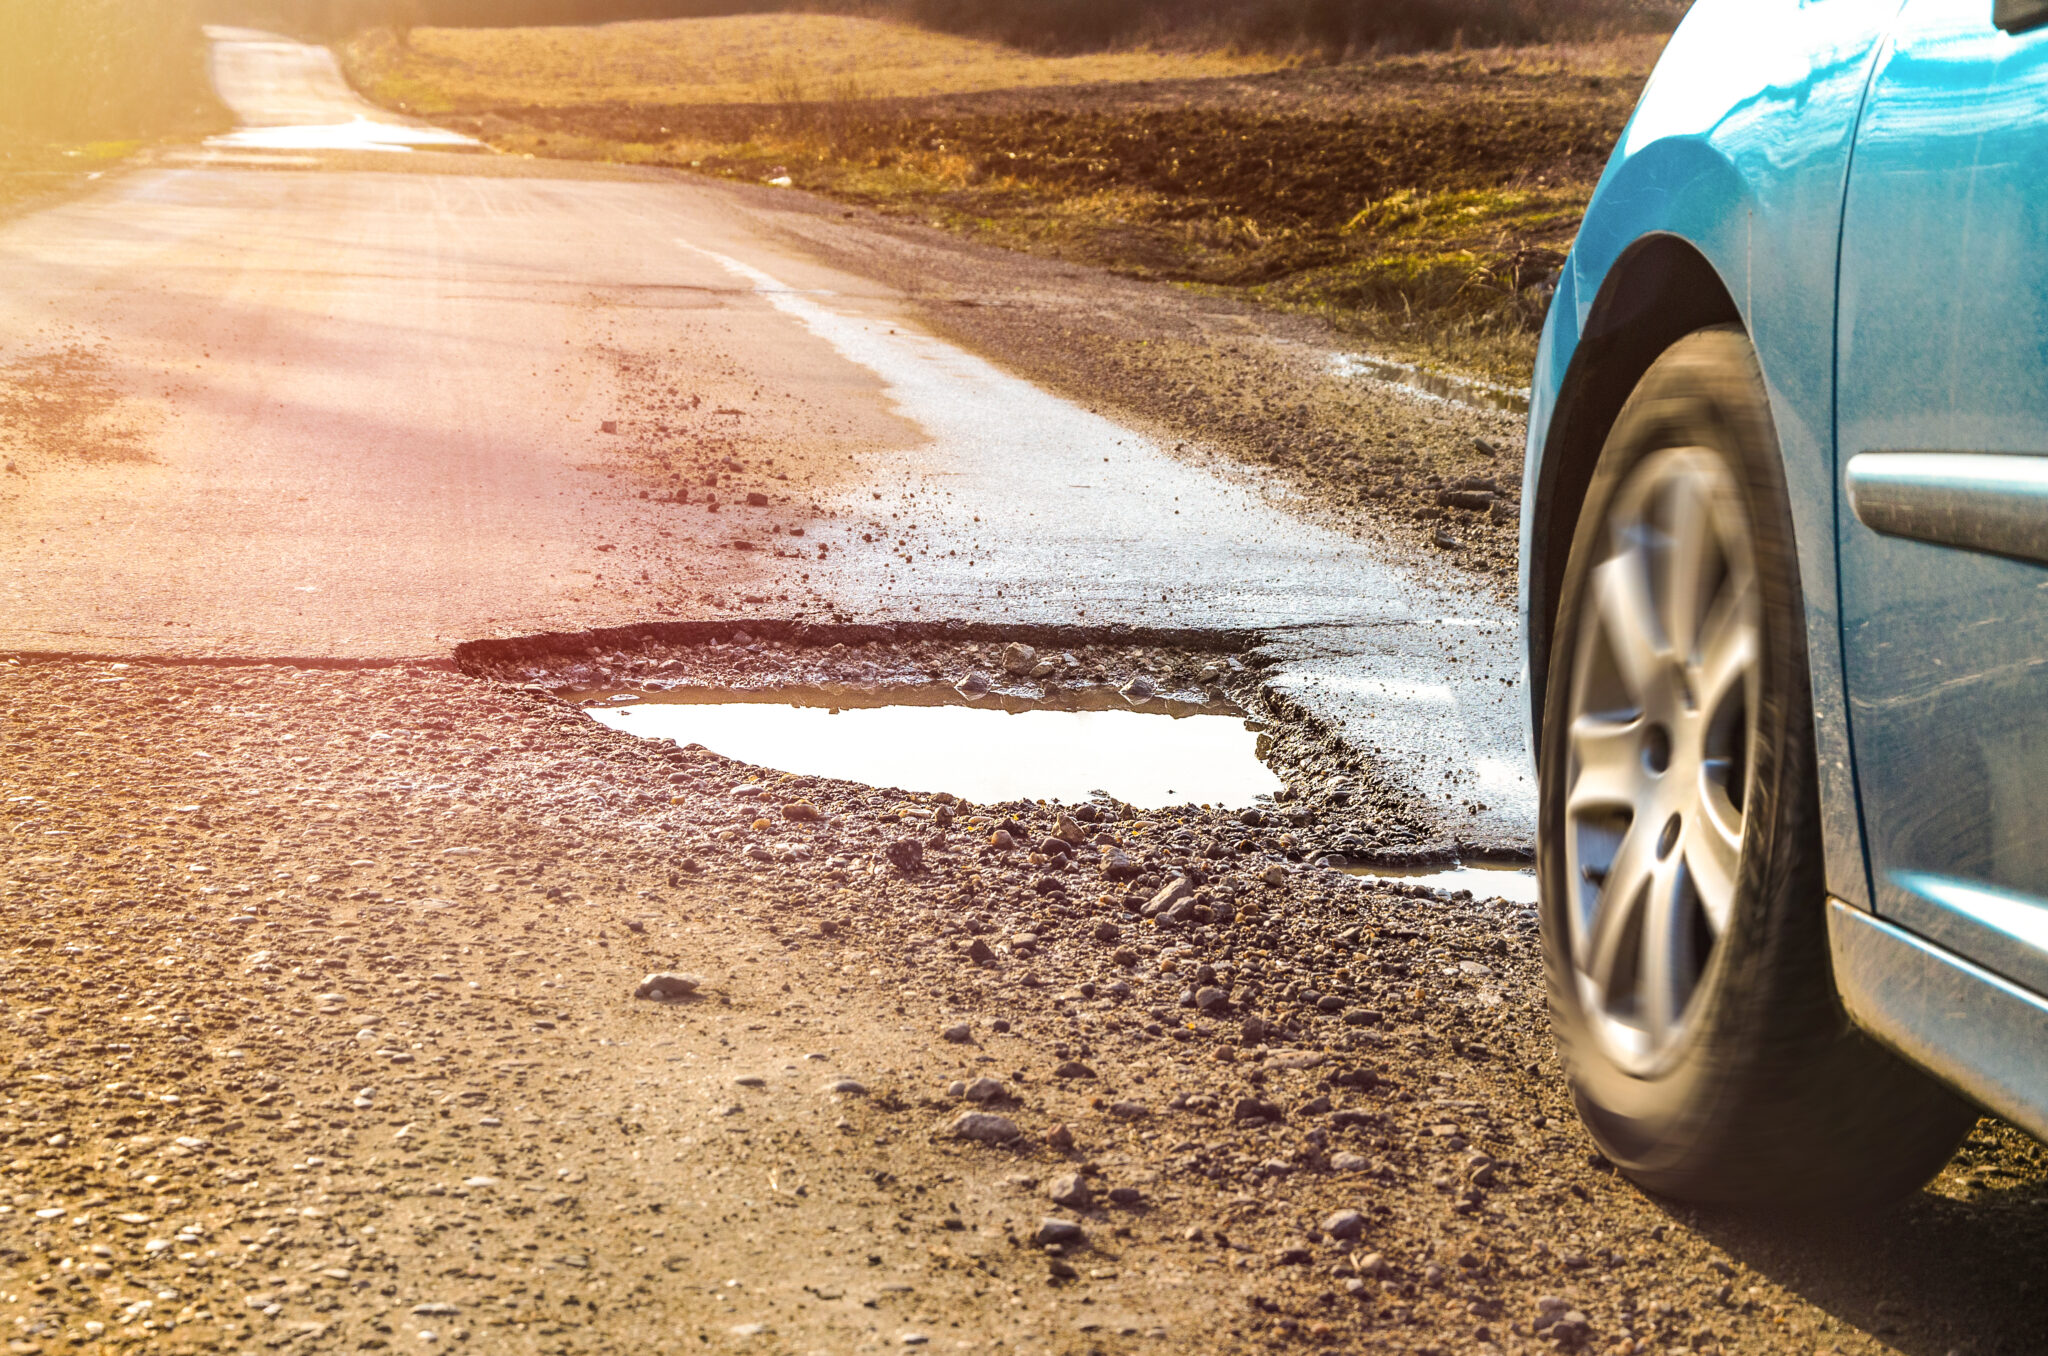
x=1486, y=880
x=986, y=749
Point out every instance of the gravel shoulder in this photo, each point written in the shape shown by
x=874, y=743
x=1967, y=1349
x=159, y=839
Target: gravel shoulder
x=317, y=1014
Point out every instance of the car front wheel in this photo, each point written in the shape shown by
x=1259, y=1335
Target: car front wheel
x=1683, y=892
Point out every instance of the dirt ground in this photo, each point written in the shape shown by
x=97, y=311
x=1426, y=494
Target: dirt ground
x=320, y=1034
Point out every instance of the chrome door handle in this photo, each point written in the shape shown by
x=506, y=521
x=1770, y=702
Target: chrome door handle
x=1976, y=501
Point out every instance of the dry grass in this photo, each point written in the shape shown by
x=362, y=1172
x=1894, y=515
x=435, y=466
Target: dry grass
x=744, y=59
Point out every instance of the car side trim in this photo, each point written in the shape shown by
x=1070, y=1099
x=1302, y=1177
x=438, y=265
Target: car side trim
x=1981, y=1034
x=1979, y=501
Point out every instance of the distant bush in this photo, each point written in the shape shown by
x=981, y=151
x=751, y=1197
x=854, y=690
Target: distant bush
x=108, y=70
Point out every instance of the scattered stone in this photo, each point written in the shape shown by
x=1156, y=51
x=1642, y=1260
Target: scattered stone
x=974, y=683
x=1252, y=1109
x=1346, y=1161
x=436, y=1309
x=1345, y=1224
x=1002, y=840
x=980, y=952
x=1275, y=874
x=847, y=1087
x=1073, y=1068
x=1138, y=689
x=1211, y=998
x=1126, y=1195
x=1069, y=1189
x=1067, y=831
x=1019, y=658
x=756, y=499
x=665, y=987
x=1060, y=1138
x=960, y=1033
x=1166, y=895
x=906, y=855
x=1057, y=1231
x=1372, y=1264
x=1127, y=1110
x=802, y=812
x=1107, y=932
x=985, y=1090
x=984, y=1127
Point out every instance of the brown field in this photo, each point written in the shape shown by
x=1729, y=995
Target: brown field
x=1422, y=202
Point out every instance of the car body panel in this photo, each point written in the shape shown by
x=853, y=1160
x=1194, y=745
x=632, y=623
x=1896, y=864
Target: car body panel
x=1943, y=420
x=1740, y=148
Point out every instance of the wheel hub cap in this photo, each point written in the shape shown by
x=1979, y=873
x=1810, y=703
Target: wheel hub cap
x=1662, y=712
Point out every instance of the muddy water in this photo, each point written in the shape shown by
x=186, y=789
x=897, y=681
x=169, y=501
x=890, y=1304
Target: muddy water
x=1516, y=884
x=985, y=749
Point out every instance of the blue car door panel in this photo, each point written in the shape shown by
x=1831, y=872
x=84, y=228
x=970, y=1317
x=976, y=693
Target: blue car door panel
x=1942, y=440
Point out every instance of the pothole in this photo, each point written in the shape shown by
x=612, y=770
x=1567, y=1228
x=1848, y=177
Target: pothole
x=983, y=747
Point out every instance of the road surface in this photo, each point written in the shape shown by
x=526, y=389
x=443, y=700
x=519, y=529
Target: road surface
x=296, y=397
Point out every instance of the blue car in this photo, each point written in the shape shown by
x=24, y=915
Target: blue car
x=1785, y=604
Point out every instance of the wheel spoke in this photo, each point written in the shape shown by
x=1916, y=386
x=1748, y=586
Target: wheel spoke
x=1727, y=649
x=1712, y=853
x=1688, y=563
x=1609, y=763
x=1662, y=972
x=1628, y=619
x=1620, y=895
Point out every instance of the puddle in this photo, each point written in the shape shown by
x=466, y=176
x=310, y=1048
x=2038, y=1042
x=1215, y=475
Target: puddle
x=1516, y=884
x=985, y=750
x=1458, y=390
x=357, y=134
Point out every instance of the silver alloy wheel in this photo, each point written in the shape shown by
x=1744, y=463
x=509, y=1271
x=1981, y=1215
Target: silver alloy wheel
x=1663, y=709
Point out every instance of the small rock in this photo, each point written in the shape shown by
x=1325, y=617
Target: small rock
x=1275, y=874
x=1446, y=540
x=984, y=1127
x=1060, y=1138
x=1344, y=1224
x=1002, y=840
x=1210, y=997
x=906, y=855
x=1108, y=933
x=1069, y=1189
x=960, y=1033
x=756, y=499
x=980, y=952
x=1019, y=658
x=849, y=1087
x=1059, y=1231
x=1138, y=689
x=435, y=1309
x=1067, y=831
x=1346, y=1161
x=1167, y=894
x=803, y=812
x=1073, y=1068
x=975, y=682
x=1126, y=1195
x=1372, y=1264
x=985, y=1090
x=666, y=987
x=1129, y=1111
x=1252, y=1109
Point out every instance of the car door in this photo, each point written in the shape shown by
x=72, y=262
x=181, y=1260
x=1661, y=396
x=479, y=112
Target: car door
x=1942, y=436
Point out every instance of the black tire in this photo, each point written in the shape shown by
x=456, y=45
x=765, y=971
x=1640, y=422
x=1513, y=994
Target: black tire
x=1761, y=1093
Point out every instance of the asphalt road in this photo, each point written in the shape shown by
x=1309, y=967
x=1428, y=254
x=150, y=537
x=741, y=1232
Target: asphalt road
x=291, y=396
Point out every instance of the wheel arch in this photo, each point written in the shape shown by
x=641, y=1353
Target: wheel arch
x=1660, y=289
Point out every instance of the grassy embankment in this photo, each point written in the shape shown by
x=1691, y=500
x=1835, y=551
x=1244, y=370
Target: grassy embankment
x=84, y=83
x=1421, y=201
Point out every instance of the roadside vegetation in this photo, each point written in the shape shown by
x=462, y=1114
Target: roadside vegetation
x=1421, y=200
x=83, y=83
